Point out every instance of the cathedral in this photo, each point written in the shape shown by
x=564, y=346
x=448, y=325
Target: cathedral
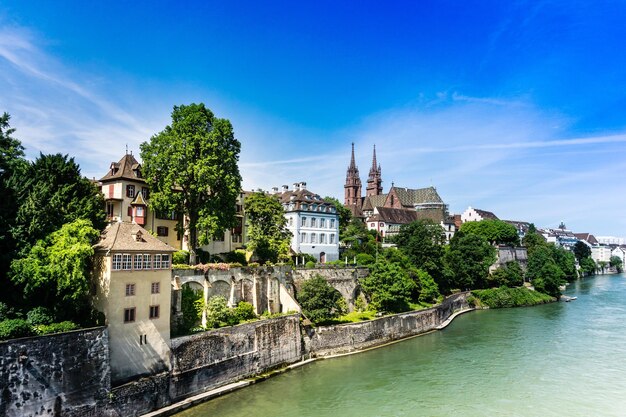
x=386, y=212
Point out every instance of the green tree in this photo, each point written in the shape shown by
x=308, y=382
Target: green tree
x=509, y=275
x=533, y=239
x=217, y=311
x=566, y=261
x=494, y=231
x=422, y=241
x=320, y=302
x=56, y=272
x=192, y=166
x=345, y=215
x=358, y=240
x=581, y=250
x=191, y=317
x=268, y=236
x=544, y=273
x=468, y=260
x=588, y=266
x=428, y=290
x=52, y=192
x=616, y=262
x=389, y=287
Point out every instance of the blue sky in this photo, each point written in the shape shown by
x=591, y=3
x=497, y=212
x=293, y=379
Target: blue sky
x=513, y=107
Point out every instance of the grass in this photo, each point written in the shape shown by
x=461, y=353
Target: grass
x=505, y=297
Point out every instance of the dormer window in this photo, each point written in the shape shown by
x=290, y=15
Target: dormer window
x=130, y=191
x=138, y=236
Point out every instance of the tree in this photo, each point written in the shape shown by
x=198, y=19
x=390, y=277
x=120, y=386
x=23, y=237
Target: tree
x=566, y=261
x=509, y=275
x=267, y=231
x=494, y=231
x=587, y=266
x=581, y=250
x=358, y=239
x=51, y=193
x=56, y=272
x=533, y=239
x=468, y=260
x=389, y=287
x=320, y=302
x=428, y=290
x=616, y=262
x=544, y=273
x=345, y=215
x=192, y=166
x=422, y=241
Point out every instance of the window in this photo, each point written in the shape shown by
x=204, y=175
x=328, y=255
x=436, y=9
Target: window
x=117, y=261
x=129, y=315
x=165, y=261
x=331, y=238
x=138, y=262
x=155, y=288
x=303, y=238
x=144, y=192
x=147, y=262
x=322, y=238
x=140, y=211
x=303, y=224
x=110, y=209
x=162, y=231
x=129, y=211
x=322, y=222
x=130, y=290
x=313, y=238
x=154, y=312
x=130, y=191
x=373, y=224
x=305, y=207
x=291, y=221
x=126, y=261
x=313, y=222
x=332, y=223
x=157, y=261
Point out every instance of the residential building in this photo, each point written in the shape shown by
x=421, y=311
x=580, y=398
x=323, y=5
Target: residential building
x=588, y=238
x=601, y=254
x=611, y=240
x=133, y=290
x=126, y=196
x=234, y=238
x=312, y=221
x=476, y=215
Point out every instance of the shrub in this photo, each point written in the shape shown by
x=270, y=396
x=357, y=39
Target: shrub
x=253, y=264
x=14, y=328
x=504, y=297
x=5, y=311
x=64, y=326
x=217, y=311
x=428, y=289
x=365, y=259
x=39, y=315
x=190, y=313
x=388, y=287
x=310, y=264
x=235, y=265
x=202, y=256
x=319, y=300
x=338, y=262
x=244, y=311
x=235, y=257
x=180, y=257
x=510, y=275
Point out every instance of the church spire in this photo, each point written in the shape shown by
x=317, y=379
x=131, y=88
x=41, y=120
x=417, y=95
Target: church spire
x=352, y=163
x=352, y=187
x=374, y=181
x=374, y=160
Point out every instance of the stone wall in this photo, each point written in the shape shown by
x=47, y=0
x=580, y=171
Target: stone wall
x=329, y=340
x=344, y=280
x=218, y=357
x=66, y=374
x=510, y=254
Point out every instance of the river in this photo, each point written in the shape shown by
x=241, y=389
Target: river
x=551, y=360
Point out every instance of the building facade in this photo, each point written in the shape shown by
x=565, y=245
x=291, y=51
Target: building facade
x=133, y=276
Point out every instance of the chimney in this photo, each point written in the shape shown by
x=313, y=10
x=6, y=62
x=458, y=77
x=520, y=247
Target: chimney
x=275, y=190
x=303, y=185
x=296, y=186
x=285, y=188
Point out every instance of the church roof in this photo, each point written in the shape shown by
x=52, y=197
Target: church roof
x=405, y=216
x=409, y=197
x=126, y=236
x=372, y=201
x=127, y=168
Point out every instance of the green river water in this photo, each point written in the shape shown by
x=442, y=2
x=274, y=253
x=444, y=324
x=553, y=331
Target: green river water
x=560, y=359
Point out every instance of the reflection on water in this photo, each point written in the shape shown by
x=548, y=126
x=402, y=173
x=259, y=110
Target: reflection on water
x=552, y=360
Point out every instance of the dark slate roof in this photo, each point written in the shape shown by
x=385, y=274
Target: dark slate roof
x=301, y=196
x=410, y=197
x=370, y=202
x=486, y=214
x=523, y=226
x=587, y=237
x=124, y=169
x=120, y=237
x=406, y=216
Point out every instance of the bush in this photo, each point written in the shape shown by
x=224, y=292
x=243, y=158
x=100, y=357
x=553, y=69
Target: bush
x=202, y=256
x=310, y=264
x=319, y=300
x=428, y=289
x=217, y=311
x=5, y=311
x=338, y=262
x=39, y=315
x=244, y=311
x=14, y=328
x=388, y=287
x=190, y=313
x=363, y=259
x=504, y=297
x=509, y=275
x=180, y=257
x=253, y=264
x=64, y=326
x=235, y=257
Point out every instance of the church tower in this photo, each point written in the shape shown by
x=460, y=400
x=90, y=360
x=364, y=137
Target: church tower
x=353, y=188
x=375, y=179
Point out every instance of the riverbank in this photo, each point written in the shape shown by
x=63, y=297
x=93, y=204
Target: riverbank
x=505, y=297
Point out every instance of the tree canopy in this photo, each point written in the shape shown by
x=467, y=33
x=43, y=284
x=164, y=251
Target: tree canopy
x=191, y=165
x=493, y=230
x=319, y=300
x=388, y=287
x=345, y=215
x=268, y=235
x=468, y=260
x=422, y=241
x=581, y=250
x=543, y=271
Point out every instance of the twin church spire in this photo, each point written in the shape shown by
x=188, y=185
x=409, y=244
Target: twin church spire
x=353, y=188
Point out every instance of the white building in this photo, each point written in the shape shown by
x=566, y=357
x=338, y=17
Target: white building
x=313, y=222
x=601, y=253
x=476, y=215
x=611, y=240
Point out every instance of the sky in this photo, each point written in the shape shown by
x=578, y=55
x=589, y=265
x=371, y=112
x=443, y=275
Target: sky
x=515, y=107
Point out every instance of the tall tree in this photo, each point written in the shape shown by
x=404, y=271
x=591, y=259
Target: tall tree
x=345, y=215
x=543, y=271
x=268, y=236
x=494, y=231
x=468, y=259
x=422, y=241
x=581, y=250
x=52, y=193
x=192, y=166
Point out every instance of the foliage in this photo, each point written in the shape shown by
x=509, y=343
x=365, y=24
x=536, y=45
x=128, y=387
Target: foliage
x=191, y=165
x=544, y=273
x=39, y=315
x=344, y=213
x=565, y=260
x=468, y=260
x=357, y=239
x=422, y=241
x=309, y=264
x=388, y=287
x=183, y=266
x=268, y=235
x=587, y=266
x=355, y=317
x=191, y=317
x=53, y=192
x=509, y=275
x=581, y=250
x=616, y=262
x=216, y=310
x=64, y=326
x=14, y=328
x=320, y=302
x=493, y=230
x=6, y=312
x=428, y=290
x=181, y=257
x=365, y=259
x=236, y=257
x=244, y=311
x=505, y=297
x=533, y=239
x=56, y=272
